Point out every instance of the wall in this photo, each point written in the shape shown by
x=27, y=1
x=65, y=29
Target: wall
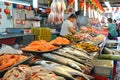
x=5, y=23
x=18, y=16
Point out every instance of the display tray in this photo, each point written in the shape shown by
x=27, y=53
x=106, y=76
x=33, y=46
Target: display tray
x=39, y=52
x=29, y=56
x=111, y=47
x=62, y=44
x=97, y=51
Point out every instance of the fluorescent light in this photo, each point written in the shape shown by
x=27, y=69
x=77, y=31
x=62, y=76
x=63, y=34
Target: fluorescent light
x=89, y=12
x=92, y=13
x=35, y=3
x=107, y=4
x=17, y=2
x=76, y=5
x=84, y=7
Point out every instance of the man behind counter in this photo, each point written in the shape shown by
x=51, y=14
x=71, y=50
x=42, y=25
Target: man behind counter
x=67, y=26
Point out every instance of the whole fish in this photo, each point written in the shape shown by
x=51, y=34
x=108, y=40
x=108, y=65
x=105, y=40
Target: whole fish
x=62, y=70
x=64, y=54
x=79, y=49
x=63, y=60
x=75, y=52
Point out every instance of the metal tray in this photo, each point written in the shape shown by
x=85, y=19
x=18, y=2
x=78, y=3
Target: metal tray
x=62, y=44
x=29, y=56
x=39, y=52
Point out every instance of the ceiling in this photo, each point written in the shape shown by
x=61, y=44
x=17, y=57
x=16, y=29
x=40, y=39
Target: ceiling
x=113, y=3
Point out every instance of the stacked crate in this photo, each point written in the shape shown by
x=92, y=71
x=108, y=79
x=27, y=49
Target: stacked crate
x=42, y=33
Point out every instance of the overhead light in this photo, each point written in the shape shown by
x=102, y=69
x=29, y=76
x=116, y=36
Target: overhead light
x=107, y=4
x=35, y=3
x=84, y=7
x=17, y=2
x=76, y=5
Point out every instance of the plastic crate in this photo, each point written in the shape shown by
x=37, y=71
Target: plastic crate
x=104, y=68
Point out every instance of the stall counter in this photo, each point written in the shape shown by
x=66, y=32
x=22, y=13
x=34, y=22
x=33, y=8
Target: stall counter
x=15, y=38
x=104, y=32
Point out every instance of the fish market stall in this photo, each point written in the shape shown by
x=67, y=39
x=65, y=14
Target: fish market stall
x=65, y=60
x=104, y=32
x=49, y=56
x=68, y=55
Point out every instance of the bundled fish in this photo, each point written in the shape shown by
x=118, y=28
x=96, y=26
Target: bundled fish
x=62, y=70
x=70, y=56
x=64, y=61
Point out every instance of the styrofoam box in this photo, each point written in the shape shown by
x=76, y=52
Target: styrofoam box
x=112, y=43
x=103, y=67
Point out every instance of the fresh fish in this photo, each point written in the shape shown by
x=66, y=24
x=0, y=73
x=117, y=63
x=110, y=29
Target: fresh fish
x=82, y=50
x=75, y=52
x=64, y=54
x=79, y=54
x=63, y=60
x=78, y=49
x=61, y=70
x=85, y=59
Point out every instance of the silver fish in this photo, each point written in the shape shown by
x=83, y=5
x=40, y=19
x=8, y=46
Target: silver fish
x=63, y=60
x=62, y=70
x=75, y=52
x=70, y=56
x=83, y=63
x=64, y=54
x=78, y=49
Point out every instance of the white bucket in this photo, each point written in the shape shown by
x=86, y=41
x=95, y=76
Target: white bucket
x=118, y=38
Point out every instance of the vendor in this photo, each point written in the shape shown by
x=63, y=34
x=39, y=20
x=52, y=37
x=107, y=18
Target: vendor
x=67, y=26
x=112, y=29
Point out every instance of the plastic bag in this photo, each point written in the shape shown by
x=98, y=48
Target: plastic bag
x=9, y=50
